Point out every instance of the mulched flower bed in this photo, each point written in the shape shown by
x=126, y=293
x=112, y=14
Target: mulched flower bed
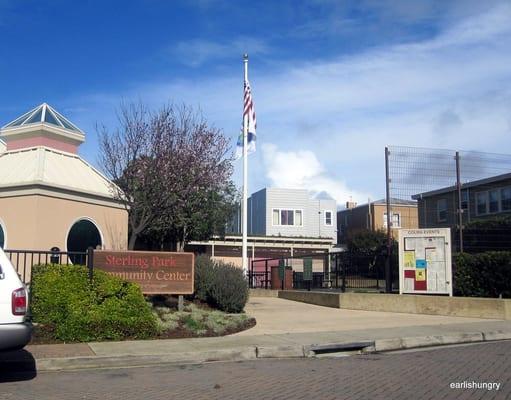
x=192, y=323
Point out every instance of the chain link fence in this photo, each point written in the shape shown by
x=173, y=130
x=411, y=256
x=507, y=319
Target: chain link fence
x=467, y=191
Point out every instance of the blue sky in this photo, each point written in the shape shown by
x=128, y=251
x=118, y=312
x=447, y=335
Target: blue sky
x=333, y=81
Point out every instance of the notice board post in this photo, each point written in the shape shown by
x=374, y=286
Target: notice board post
x=425, y=264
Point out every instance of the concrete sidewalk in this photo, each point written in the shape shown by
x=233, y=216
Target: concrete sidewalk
x=276, y=316
x=284, y=329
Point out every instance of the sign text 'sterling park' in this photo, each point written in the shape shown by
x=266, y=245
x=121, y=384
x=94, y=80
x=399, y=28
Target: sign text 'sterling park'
x=155, y=272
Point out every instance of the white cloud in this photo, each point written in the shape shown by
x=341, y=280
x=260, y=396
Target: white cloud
x=302, y=170
x=329, y=120
x=196, y=52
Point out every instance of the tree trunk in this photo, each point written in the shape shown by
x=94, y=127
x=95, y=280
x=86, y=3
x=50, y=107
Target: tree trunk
x=181, y=243
x=132, y=241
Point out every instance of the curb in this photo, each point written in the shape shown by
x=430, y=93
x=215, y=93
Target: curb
x=252, y=352
x=70, y=363
x=405, y=343
x=281, y=351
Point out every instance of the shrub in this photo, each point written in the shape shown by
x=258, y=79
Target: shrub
x=204, y=272
x=483, y=275
x=221, y=285
x=229, y=289
x=492, y=234
x=107, y=309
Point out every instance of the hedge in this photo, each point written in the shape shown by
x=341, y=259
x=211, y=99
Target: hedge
x=482, y=275
x=107, y=309
x=492, y=234
x=221, y=285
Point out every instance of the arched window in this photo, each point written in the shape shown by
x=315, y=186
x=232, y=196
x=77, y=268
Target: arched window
x=82, y=235
x=2, y=236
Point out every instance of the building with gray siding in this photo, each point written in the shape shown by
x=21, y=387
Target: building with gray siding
x=292, y=213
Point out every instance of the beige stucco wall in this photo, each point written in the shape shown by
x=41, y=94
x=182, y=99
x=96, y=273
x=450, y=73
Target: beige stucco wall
x=18, y=216
x=38, y=222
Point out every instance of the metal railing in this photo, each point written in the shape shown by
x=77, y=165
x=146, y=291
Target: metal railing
x=352, y=270
x=24, y=260
x=259, y=280
x=341, y=271
x=260, y=275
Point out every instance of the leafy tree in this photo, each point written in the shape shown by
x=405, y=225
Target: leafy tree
x=371, y=247
x=168, y=166
x=367, y=241
x=202, y=216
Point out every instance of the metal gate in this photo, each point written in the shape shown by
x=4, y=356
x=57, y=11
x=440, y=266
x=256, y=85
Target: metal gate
x=347, y=270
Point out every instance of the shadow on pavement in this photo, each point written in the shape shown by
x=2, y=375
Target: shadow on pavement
x=17, y=366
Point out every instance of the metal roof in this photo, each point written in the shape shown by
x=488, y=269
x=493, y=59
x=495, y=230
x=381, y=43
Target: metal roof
x=393, y=202
x=43, y=113
x=267, y=241
x=54, y=169
x=466, y=185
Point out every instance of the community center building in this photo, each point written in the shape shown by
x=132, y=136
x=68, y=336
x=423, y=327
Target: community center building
x=50, y=197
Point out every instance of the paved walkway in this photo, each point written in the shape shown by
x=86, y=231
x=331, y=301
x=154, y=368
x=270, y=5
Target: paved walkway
x=277, y=316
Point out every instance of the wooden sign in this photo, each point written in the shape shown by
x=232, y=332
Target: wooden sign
x=155, y=272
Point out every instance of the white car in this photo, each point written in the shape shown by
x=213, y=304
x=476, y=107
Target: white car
x=15, y=331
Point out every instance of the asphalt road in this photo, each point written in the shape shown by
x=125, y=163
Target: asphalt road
x=431, y=374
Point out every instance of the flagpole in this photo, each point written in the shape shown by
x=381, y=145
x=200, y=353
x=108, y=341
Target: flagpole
x=245, y=177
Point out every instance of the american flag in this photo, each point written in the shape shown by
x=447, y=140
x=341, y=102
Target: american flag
x=249, y=111
x=249, y=108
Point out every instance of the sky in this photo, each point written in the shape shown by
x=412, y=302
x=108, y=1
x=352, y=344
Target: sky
x=333, y=82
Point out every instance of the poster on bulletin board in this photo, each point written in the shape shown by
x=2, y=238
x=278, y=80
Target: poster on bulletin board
x=425, y=261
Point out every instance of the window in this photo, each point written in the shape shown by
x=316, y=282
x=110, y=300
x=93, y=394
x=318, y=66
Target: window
x=328, y=218
x=287, y=217
x=281, y=217
x=481, y=203
x=505, y=199
x=441, y=207
x=82, y=235
x=276, y=217
x=464, y=199
x=395, y=220
x=493, y=203
x=298, y=217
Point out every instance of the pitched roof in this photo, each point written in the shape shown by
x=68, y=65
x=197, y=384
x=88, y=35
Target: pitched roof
x=43, y=113
x=323, y=195
x=54, y=169
x=466, y=185
x=394, y=201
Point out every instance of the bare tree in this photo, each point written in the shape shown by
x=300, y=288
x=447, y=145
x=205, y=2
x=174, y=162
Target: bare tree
x=161, y=164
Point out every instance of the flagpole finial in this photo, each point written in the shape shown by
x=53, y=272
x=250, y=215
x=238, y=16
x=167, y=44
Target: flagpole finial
x=245, y=57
